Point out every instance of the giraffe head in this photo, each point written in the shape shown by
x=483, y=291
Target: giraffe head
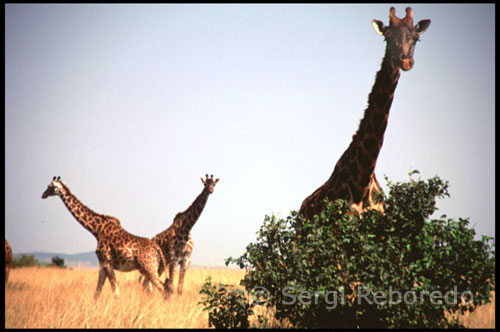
x=401, y=36
x=209, y=182
x=54, y=188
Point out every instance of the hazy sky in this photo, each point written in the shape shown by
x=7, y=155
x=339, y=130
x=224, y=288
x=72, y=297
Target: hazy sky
x=132, y=104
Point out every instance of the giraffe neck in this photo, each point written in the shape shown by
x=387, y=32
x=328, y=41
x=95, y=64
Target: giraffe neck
x=353, y=177
x=364, y=149
x=90, y=220
x=184, y=221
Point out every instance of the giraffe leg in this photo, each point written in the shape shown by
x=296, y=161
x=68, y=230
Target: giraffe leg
x=110, y=273
x=7, y=271
x=150, y=273
x=169, y=282
x=151, y=278
x=146, y=285
x=161, y=268
x=184, y=265
x=155, y=280
x=104, y=256
x=100, y=282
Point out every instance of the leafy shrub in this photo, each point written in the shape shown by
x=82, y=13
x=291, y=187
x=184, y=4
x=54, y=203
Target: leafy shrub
x=227, y=306
x=58, y=261
x=29, y=260
x=396, y=270
x=24, y=261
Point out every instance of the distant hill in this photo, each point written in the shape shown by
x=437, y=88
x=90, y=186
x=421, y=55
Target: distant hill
x=84, y=259
x=89, y=259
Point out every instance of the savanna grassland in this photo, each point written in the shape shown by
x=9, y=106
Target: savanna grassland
x=44, y=297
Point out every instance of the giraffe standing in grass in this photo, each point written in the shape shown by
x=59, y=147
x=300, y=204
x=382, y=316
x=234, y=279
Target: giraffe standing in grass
x=176, y=241
x=353, y=178
x=8, y=260
x=117, y=249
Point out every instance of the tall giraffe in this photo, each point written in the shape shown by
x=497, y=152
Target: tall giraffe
x=8, y=260
x=176, y=241
x=117, y=249
x=353, y=178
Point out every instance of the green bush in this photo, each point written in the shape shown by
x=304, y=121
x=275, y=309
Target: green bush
x=58, y=261
x=228, y=306
x=396, y=270
x=29, y=260
x=24, y=261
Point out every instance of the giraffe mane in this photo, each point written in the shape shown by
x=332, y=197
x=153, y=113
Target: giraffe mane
x=179, y=214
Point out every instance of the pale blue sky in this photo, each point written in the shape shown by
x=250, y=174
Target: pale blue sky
x=132, y=104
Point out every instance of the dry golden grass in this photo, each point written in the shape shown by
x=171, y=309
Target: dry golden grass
x=482, y=317
x=63, y=298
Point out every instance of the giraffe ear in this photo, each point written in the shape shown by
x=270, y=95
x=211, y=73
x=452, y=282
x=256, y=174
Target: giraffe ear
x=379, y=27
x=422, y=26
x=216, y=180
x=202, y=181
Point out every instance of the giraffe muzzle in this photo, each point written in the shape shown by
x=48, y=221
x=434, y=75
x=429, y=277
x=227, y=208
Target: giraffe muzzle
x=406, y=64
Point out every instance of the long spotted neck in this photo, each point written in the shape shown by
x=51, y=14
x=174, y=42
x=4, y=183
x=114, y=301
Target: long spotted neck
x=364, y=149
x=184, y=221
x=85, y=216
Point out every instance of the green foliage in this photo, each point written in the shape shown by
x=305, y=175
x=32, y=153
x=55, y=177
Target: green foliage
x=228, y=306
x=29, y=260
x=24, y=261
x=401, y=269
x=58, y=261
